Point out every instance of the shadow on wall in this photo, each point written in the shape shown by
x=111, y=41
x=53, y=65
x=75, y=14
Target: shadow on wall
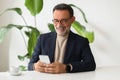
x=4, y=54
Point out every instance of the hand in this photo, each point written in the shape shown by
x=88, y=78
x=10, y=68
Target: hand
x=55, y=68
x=39, y=66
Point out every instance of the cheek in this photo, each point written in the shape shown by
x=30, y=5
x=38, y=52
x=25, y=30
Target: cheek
x=68, y=26
x=57, y=25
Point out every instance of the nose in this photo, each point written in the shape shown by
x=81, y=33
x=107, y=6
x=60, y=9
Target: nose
x=59, y=24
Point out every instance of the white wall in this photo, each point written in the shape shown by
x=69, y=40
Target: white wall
x=4, y=47
x=103, y=17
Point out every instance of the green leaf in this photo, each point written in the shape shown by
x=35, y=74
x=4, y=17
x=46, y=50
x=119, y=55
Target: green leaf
x=21, y=58
x=34, y=6
x=78, y=27
x=27, y=33
x=5, y=29
x=17, y=10
x=3, y=32
x=84, y=17
x=51, y=27
x=22, y=68
x=83, y=32
x=15, y=26
x=89, y=35
x=32, y=41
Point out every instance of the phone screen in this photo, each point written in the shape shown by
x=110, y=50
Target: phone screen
x=44, y=58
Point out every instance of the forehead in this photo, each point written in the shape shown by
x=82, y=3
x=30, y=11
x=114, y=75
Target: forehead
x=61, y=14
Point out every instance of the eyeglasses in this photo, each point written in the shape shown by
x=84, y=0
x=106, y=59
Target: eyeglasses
x=63, y=21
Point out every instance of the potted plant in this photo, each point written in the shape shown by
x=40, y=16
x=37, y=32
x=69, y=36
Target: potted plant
x=35, y=7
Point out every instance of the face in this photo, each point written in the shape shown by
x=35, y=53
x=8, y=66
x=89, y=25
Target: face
x=62, y=21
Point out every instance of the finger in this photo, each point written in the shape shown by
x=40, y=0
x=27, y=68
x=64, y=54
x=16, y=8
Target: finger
x=50, y=65
x=42, y=64
x=41, y=69
x=56, y=62
x=50, y=70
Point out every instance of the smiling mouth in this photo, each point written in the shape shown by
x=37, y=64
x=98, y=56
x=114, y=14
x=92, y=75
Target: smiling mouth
x=60, y=28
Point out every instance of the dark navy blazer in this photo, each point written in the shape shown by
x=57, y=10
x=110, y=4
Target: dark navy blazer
x=78, y=52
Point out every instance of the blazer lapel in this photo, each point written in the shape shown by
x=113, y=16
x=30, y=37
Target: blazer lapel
x=51, y=48
x=69, y=47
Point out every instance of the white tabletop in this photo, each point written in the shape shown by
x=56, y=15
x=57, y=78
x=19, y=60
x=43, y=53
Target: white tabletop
x=101, y=73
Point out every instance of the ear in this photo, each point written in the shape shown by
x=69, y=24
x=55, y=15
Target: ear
x=72, y=19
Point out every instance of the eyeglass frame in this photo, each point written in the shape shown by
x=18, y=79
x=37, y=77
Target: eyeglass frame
x=62, y=21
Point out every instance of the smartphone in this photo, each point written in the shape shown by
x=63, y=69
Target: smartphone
x=44, y=58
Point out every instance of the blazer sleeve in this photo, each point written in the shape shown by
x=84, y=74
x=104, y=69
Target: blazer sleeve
x=35, y=56
x=87, y=62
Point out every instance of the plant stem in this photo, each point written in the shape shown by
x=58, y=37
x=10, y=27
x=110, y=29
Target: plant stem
x=22, y=33
x=35, y=21
x=25, y=22
x=23, y=39
x=84, y=16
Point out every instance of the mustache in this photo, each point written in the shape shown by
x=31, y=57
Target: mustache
x=59, y=27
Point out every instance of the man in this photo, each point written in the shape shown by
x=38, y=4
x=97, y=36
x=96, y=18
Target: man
x=68, y=52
